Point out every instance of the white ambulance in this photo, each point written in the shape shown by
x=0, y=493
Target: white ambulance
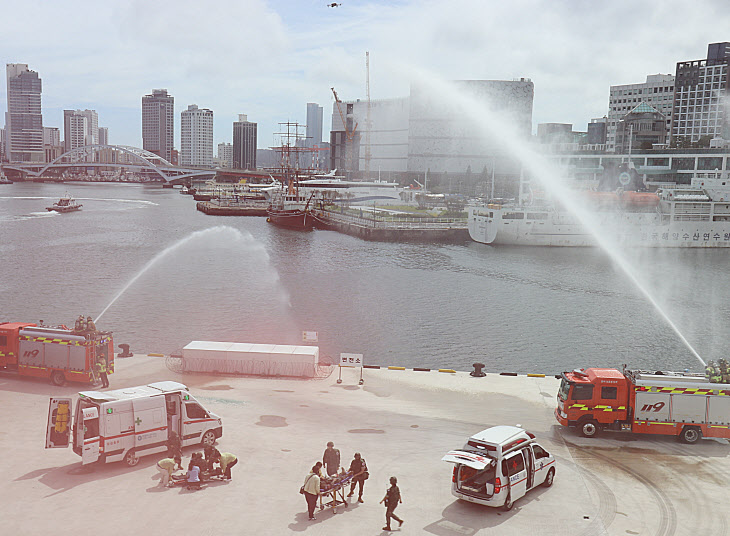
x=128, y=423
x=499, y=465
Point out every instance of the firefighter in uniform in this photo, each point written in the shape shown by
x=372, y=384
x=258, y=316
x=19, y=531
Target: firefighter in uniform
x=79, y=325
x=90, y=326
x=724, y=370
x=101, y=368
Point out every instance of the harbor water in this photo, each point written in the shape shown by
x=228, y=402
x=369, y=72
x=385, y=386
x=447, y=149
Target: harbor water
x=164, y=274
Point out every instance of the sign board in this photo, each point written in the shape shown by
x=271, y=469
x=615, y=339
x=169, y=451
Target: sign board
x=309, y=336
x=351, y=360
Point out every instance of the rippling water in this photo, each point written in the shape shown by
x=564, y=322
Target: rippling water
x=240, y=279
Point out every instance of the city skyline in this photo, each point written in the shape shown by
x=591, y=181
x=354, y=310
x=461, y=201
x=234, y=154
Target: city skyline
x=296, y=51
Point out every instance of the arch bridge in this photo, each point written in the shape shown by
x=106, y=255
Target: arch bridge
x=113, y=157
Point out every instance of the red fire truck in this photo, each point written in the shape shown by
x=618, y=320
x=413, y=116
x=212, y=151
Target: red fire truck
x=58, y=353
x=668, y=403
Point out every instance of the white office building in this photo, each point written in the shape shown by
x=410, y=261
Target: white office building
x=80, y=128
x=196, y=137
x=657, y=92
x=225, y=155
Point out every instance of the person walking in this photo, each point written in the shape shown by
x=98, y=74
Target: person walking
x=166, y=467
x=101, y=368
x=310, y=489
x=331, y=459
x=392, y=499
x=359, y=469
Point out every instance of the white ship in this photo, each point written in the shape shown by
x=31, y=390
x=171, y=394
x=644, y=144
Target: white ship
x=694, y=216
x=338, y=190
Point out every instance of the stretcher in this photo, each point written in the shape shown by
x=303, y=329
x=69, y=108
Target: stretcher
x=332, y=491
x=205, y=476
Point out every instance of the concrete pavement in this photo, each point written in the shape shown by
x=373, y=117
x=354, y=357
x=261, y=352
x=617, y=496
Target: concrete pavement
x=401, y=421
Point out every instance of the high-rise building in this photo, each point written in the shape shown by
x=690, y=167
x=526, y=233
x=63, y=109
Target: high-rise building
x=158, y=123
x=657, y=92
x=225, y=155
x=314, y=125
x=23, y=119
x=427, y=131
x=103, y=136
x=700, y=97
x=52, y=143
x=196, y=137
x=80, y=128
x=244, y=143
x=2, y=144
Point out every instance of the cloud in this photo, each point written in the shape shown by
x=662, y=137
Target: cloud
x=267, y=59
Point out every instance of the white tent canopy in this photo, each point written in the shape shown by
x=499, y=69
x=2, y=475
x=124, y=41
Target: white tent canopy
x=250, y=358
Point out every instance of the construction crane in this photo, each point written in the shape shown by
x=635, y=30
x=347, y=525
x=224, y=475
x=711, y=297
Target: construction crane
x=368, y=124
x=349, y=134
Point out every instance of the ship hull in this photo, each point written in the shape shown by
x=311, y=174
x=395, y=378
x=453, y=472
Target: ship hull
x=550, y=228
x=297, y=219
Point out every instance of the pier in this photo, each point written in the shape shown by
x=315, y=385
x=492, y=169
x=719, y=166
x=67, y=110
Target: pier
x=376, y=226
x=402, y=422
x=232, y=208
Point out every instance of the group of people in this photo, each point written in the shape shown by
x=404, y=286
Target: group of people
x=82, y=325
x=359, y=469
x=201, y=463
x=718, y=372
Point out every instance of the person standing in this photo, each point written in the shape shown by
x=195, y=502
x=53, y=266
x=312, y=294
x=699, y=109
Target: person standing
x=331, y=459
x=392, y=499
x=174, y=447
x=310, y=489
x=166, y=467
x=359, y=469
x=101, y=368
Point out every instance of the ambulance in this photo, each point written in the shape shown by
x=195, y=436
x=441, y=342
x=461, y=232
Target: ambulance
x=498, y=466
x=126, y=424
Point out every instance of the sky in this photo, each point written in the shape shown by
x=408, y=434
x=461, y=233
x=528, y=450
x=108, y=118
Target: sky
x=267, y=59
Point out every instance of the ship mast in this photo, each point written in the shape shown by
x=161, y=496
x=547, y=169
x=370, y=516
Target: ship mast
x=368, y=124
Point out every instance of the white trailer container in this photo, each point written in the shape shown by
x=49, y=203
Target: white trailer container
x=250, y=358
x=125, y=424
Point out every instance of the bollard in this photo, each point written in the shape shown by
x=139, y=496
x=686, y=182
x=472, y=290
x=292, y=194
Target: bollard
x=125, y=351
x=477, y=372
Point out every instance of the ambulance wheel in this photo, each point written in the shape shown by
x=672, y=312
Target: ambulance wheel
x=589, y=428
x=131, y=458
x=690, y=434
x=549, y=478
x=208, y=438
x=508, y=502
x=57, y=378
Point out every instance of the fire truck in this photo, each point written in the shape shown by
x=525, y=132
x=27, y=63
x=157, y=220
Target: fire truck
x=667, y=403
x=58, y=353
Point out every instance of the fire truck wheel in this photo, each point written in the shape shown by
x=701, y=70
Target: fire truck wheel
x=131, y=458
x=549, y=478
x=508, y=502
x=208, y=438
x=589, y=428
x=690, y=434
x=57, y=378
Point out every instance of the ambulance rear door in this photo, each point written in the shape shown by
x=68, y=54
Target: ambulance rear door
x=90, y=448
x=58, y=427
x=150, y=424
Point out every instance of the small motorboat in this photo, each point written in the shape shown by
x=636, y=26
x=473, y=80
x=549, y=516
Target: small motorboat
x=65, y=204
x=4, y=179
